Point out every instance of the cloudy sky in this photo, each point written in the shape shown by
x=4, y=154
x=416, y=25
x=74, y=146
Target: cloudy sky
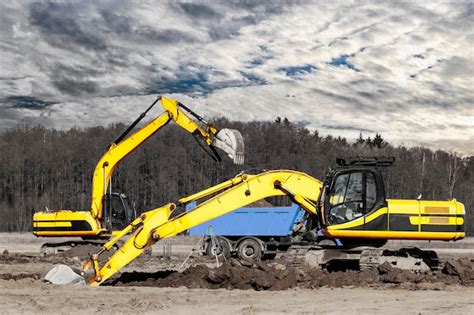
x=402, y=69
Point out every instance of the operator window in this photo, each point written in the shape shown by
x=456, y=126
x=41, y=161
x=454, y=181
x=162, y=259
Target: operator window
x=347, y=198
x=118, y=212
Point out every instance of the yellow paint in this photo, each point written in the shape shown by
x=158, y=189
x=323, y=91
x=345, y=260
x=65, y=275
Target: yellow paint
x=53, y=224
x=53, y=218
x=65, y=233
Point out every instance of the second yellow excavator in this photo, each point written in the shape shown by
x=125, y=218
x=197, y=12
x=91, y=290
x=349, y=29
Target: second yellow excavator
x=349, y=205
x=111, y=211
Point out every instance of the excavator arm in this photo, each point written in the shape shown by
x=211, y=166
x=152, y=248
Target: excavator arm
x=228, y=140
x=95, y=222
x=237, y=192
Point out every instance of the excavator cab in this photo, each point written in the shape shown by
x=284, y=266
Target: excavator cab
x=353, y=207
x=353, y=189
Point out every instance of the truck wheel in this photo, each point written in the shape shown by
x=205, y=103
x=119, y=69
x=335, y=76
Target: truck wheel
x=249, y=249
x=220, y=249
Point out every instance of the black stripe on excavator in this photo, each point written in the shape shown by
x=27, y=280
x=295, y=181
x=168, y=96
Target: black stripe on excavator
x=441, y=228
x=401, y=222
x=449, y=215
x=75, y=226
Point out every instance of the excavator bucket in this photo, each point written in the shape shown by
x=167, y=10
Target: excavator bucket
x=231, y=142
x=62, y=274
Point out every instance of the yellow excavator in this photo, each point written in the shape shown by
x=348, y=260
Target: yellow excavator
x=349, y=205
x=110, y=211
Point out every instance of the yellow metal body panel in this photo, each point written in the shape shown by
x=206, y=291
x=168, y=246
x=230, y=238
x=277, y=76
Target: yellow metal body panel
x=65, y=223
x=441, y=236
x=406, y=219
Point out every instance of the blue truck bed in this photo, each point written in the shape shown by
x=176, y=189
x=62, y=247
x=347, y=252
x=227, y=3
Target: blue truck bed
x=271, y=221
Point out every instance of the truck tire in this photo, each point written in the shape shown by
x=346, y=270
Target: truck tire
x=249, y=249
x=221, y=249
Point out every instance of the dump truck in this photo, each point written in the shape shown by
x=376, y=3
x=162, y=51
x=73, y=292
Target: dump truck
x=250, y=232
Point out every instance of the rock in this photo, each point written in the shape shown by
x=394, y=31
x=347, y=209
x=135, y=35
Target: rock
x=246, y=263
x=461, y=268
x=384, y=268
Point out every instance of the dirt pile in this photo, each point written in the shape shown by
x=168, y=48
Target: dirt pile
x=235, y=274
x=460, y=268
x=9, y=259
x=16, y=277
x=82, y=251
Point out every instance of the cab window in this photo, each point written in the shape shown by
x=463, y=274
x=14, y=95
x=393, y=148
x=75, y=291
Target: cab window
x=118, y=213
x=351, y=196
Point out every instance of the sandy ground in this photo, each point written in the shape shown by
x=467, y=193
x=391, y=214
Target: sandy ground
x=29, y=295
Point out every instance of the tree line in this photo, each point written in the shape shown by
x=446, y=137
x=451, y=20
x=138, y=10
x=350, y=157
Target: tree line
x=41, y=167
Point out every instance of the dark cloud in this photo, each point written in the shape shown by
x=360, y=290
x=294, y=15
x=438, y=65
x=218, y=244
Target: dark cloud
x=231, y=28
x=60, y=69
x=262, y=7
x=350, y=128
x=76, y=87
x=58, y=23
x=28, y=102
x=199, y=11
x=249, y=13
x=132, y=30
x=340, y=98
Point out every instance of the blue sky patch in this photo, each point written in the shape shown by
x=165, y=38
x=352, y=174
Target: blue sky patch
x=342, y=61
x=255, y=62
x=28, y=102
x=297, y=70
x=253, y=78
x=197, y=82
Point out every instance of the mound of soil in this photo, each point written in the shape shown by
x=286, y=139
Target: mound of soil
x=81, y=251
x=235, y=274
x=16, y=277
x=9, y=259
